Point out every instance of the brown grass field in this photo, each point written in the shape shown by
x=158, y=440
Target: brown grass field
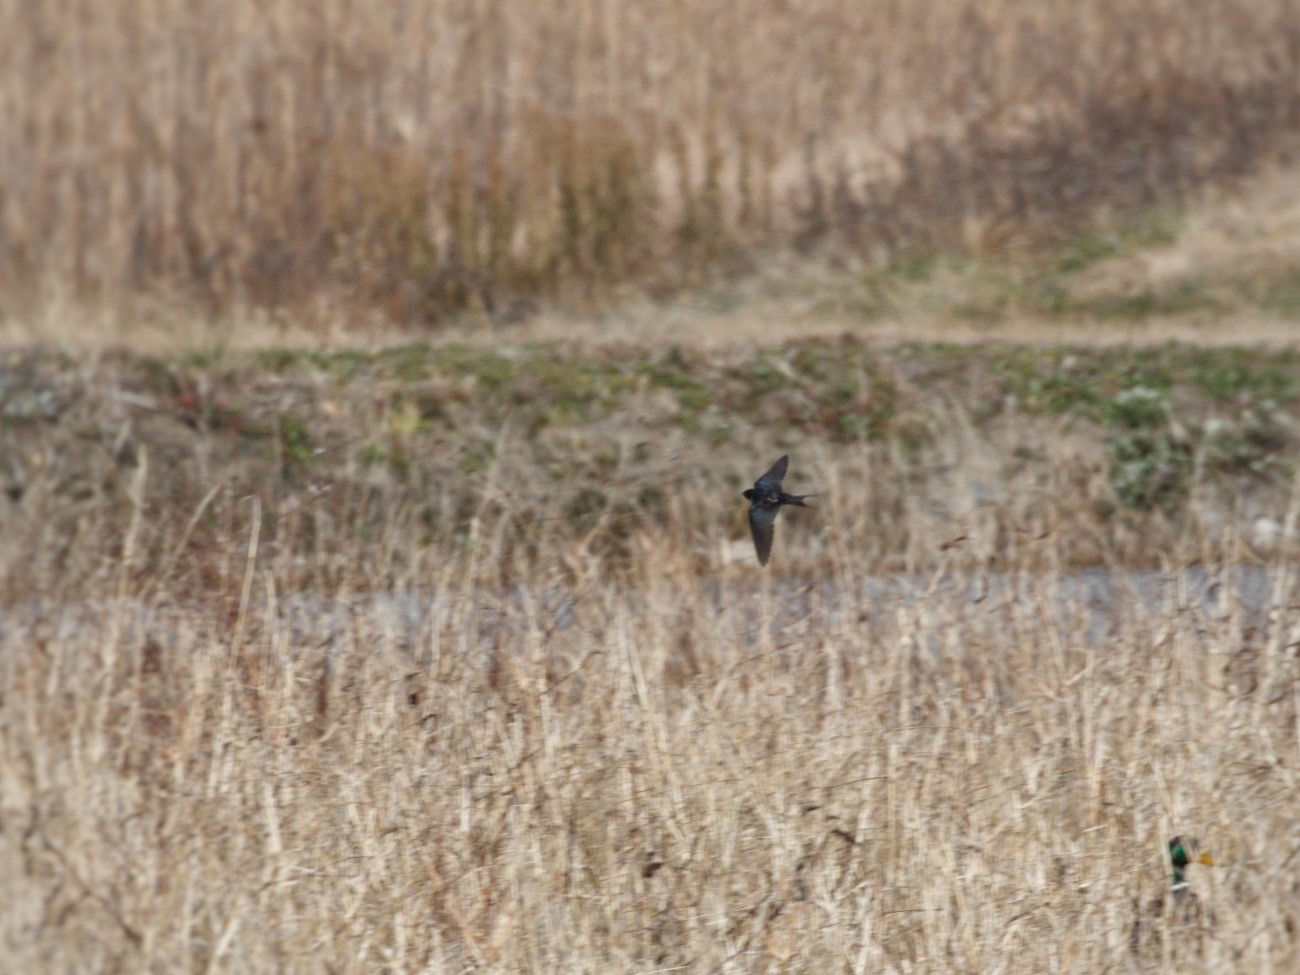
x=417, y=160
x=441, y=659
x=324, y=649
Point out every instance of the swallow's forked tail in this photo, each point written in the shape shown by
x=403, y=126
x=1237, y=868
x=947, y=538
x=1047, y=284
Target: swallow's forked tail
x=798, y=499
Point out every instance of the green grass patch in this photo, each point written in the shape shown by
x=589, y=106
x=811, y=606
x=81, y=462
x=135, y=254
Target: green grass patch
x=296, y=442
x=1233, y=372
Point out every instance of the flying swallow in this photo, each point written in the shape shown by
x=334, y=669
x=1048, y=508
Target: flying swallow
x=765, y=500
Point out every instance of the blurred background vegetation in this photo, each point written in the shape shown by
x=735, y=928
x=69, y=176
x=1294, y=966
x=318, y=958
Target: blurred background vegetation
x=431, y=159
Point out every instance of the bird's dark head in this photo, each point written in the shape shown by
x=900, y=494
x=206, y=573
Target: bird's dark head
x=1183, y=852
x=747, y=494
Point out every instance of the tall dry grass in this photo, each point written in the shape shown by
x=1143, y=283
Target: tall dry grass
x=406, y=765
x=421, y=158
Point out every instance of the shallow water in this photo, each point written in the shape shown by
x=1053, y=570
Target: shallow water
x=1092, y=604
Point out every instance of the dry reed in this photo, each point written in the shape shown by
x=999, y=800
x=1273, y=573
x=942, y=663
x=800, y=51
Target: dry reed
x=249, y=724
x=422, y=158
x=671, y=769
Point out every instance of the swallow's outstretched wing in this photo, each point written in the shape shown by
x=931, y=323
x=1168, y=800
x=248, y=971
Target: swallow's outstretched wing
x=771, y=481
x=762, y=522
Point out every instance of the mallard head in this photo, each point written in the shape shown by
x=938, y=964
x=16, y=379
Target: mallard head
x=1183, y=852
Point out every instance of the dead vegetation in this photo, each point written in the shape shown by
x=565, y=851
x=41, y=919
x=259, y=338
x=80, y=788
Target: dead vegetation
x=1126, y=456
x=455, y=657
x=416, y=160
x=435, y=659
x=267, y=727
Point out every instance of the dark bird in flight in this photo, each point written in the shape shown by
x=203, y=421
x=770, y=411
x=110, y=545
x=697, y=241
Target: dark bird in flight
x=765, y=500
